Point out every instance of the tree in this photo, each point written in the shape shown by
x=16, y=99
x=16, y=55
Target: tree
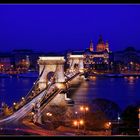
x=57, y=118
x=107, y=107
x=130, y=120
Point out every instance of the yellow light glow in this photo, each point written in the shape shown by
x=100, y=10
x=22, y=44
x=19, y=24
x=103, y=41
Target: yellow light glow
x=76, y=56
x=94, y=77
x=107, y=125
x=60, y=85
x=131, y=63
x=75, y=123
x=49, y=114
x=81, y=122
x=32, y=113
x=52, y=58
x=86, y=108
x=76, y=112
x=14, y=103
x=81, y=108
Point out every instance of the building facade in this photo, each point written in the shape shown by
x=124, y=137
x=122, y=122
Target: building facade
x=127, y=60
x=96, y=58
x=19, y=60
x=6, y=61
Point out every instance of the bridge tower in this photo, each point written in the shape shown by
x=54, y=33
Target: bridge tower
x=52, y=64
x=76, y=63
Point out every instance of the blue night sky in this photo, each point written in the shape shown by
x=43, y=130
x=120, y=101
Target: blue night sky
x=46, y=27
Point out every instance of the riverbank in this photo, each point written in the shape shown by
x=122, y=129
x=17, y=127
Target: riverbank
x=61, y=130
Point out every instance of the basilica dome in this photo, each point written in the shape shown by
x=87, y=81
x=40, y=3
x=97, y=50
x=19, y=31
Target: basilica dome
x=101, y=45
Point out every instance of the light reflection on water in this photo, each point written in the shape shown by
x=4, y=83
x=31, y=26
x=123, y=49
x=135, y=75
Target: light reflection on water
x=123, y=91
x=131, y=80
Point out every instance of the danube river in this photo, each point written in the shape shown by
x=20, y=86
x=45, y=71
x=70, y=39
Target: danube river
x=13, y=89
x=122, y=91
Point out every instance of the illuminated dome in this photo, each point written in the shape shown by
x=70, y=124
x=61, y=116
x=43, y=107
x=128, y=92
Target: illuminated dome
x=100, y=46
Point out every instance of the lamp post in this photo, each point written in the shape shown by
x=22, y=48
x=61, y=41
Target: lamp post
x=118, y=118
x=118, y=122
x=49, y=114
x=109, y=123
x=77, y=123
x=76, y=114
x=14, y=106
x=108, y=127
x=84, y=109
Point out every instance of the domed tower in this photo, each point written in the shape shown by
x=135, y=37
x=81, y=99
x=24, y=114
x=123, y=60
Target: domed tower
x=91, y=46
x=100, y=46
x=107, y=46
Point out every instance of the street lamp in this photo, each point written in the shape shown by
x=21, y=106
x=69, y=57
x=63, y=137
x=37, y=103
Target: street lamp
x=118, y=118
x=77, y=123
x=131, y=66
x=84, y=109
x=32, y=113
x=14, y=106
x=49, y=114
x=108, y=126
x=76, y=113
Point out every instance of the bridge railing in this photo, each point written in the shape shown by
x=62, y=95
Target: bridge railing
x=49, y=96
x=55, y=91
x=35, y=84
x=20, y=104
x=28, y=96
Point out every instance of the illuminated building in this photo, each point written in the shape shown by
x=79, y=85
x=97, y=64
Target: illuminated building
x=26, y=58
x=96, y=58
x=6, y=60
x=127, y=60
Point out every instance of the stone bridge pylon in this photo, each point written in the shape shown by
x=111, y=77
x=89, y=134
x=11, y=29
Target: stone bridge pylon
x=76, y=63
x=53, y=65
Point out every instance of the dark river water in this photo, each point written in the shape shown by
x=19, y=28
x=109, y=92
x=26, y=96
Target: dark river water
x=13, y=89
x=122, y=91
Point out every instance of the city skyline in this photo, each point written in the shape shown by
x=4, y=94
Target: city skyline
x=62, y=27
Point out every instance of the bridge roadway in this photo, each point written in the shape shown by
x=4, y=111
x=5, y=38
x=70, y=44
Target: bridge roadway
x=23, y=111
